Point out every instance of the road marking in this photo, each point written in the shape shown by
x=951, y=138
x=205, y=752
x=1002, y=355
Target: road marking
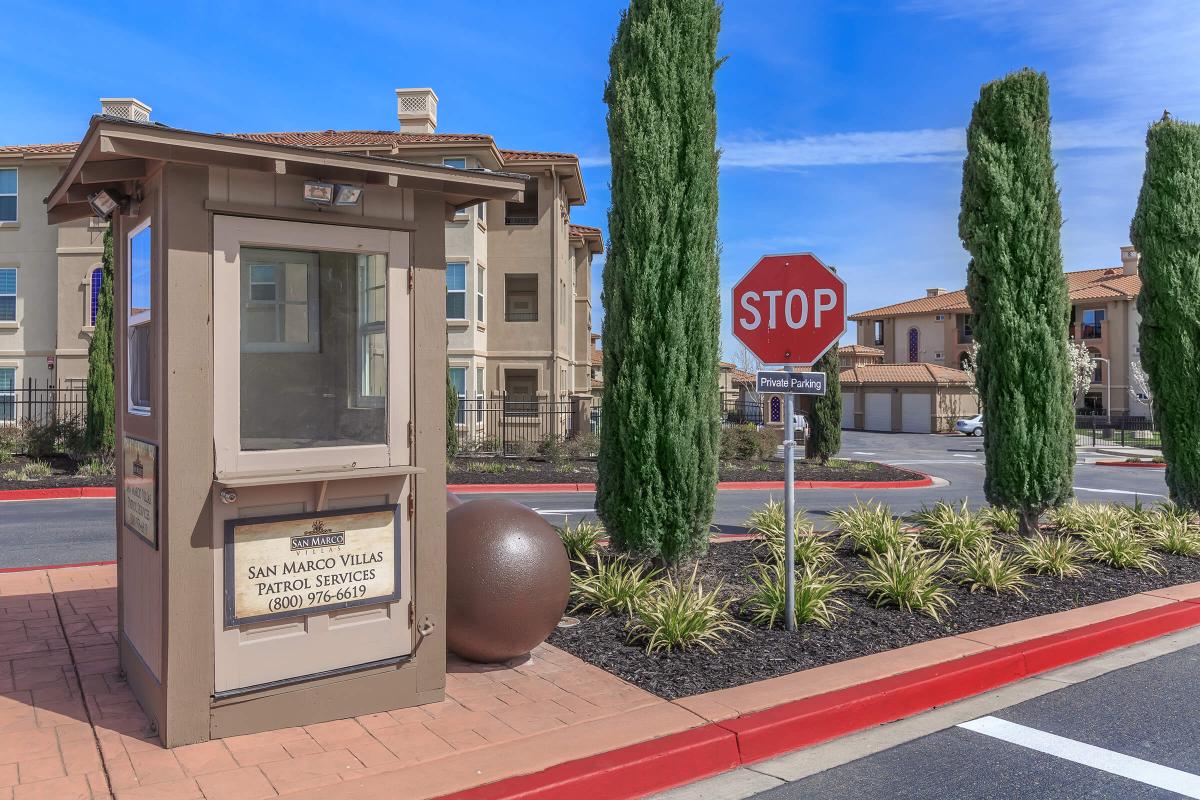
x=861, y=453
x=565, y=510
x=943, y=461
x=1118, y=491
x=963, y=455
x=1110, y=761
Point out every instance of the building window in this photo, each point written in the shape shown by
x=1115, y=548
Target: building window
x=372, y=330
x=965, y=333
x=458, y=377
x=8, y=195
x=914, y=345
x=776, y=409
x=457, y=163
x=1098, y=370
x=456, y=290
x=8, y=394
x=281, y=310
x=480, y=283
x=95, y=284
x=940, y=318
x=8, y=295
x=1093, y=323
x=878, y=332
x=140, y=352
x=526, y=211
x=520, y=298
x=520, y=387
x=483, y=213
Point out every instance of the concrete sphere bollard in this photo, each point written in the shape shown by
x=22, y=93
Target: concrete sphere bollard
x=507, y=580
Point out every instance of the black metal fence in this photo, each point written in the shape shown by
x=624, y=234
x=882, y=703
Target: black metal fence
x=739, y=411
x=512, y=424
x=1098, y=430
x=42, y=401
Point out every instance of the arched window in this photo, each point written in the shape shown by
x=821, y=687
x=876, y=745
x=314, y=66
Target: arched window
x=914, y=345
x=94, y=293
x=776, y=409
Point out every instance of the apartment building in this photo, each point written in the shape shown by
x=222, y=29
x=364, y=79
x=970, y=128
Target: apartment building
x=936, y=329
x=518, y=275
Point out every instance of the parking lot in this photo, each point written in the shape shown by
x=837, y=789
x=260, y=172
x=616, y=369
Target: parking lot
x=1124, y=725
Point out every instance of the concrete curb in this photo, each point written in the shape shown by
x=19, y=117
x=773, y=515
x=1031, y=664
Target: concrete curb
x=58, y=566
x=58, y=493
x=714, y=747
x=1138, y=464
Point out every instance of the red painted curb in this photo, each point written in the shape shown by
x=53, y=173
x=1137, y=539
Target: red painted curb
x=681, y=758
x=1129, y=464
x=633, y=771
x=502, y=488
x=58, y=493
x=58, y=566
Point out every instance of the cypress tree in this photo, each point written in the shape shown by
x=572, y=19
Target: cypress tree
x=451, y=416
x=825, y=427
x=101, y=389
x=658, y=445
x=1166, y=231
x=1009, y=223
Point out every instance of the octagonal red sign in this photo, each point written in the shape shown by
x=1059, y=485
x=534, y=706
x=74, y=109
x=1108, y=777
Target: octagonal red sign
x=789, y=309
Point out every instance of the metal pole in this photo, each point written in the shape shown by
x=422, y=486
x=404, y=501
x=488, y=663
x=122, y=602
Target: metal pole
x=789, y=507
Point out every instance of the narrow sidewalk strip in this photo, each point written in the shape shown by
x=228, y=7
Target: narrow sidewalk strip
x=1110, y=761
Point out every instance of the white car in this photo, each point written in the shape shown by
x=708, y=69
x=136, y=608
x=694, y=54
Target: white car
x=971, y=426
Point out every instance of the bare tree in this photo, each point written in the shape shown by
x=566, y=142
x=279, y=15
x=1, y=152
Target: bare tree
x=1083, y=370
x=747, y=362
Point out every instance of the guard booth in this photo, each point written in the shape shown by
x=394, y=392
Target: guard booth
x=280, y=369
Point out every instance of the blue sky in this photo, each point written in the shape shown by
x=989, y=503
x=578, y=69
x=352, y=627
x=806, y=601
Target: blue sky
x=841, y=122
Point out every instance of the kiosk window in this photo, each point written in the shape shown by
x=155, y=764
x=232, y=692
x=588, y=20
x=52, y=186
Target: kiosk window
x=314, y=349
x=140, y=330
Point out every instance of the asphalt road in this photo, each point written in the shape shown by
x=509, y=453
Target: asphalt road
x=36, y=533
x=957, y=460
x=1124, y=725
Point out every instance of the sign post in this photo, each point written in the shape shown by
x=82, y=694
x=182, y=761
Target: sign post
x=789, y=310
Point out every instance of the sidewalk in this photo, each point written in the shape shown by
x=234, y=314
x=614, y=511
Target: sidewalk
x=70, y=727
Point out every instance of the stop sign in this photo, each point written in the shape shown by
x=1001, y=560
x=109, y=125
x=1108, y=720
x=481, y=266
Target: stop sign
x=789, y=309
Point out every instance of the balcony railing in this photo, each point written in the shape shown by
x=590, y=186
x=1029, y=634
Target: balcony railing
x=520, y=220
x=520, y=316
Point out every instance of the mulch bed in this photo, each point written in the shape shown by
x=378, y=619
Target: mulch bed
x=536, y=470
x=764, y=653
x=63, y=475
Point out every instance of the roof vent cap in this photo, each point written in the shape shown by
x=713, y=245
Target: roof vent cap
x=126, y=108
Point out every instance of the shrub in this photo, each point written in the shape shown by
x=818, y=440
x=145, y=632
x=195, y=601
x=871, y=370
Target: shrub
x=768, y=522
x=987, y=566
x=954, y=530
x=1066, y=516
x=679, y=614
x=612, y=585
x=941, y=513
x=101, y=466
x=583, y=445
x=13, y=438
x=746, y=443
x=30, y=471
x=814, y=598
x=580, y=540
x=54, y=437
x=870, y=528
x=1004, y=520
x=1053, y=555
x=1173, y=535
x=1123, y=549
x=907, y=577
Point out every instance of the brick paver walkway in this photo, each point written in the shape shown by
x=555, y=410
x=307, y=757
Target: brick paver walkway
x=70, y=727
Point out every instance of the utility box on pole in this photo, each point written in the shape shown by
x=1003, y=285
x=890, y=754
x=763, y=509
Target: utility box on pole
x=280, y=422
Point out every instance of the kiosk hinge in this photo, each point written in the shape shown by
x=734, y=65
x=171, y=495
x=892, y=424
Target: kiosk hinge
x=410, y=280
x=412, y=506
x=412, y=613
x=412, y=433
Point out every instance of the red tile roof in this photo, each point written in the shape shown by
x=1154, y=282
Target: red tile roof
x=584, y=230
x=332, y=138
x=536, y=155
x=64, y=148
x=859, y=350
x=1108, y=283
x=890, y=374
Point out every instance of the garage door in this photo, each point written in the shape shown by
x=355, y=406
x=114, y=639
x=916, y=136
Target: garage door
x=914, y=413
x=848, y=409
x=879, y=412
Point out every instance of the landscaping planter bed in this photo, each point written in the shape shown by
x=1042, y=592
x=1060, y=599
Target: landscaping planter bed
x=494, y=470
x=764, y=653
x=63, y=474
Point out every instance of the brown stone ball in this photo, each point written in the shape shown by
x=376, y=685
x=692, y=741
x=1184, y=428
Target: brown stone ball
x=508, y=580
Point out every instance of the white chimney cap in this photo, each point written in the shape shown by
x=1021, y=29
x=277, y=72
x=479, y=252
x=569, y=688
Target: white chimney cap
x=126, y=108
x=417, y=110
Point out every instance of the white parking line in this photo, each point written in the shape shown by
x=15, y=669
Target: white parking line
x=565, y=510
x=1118, y=491
x=861, y=453
x=963, y=455
x=1147, y=772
